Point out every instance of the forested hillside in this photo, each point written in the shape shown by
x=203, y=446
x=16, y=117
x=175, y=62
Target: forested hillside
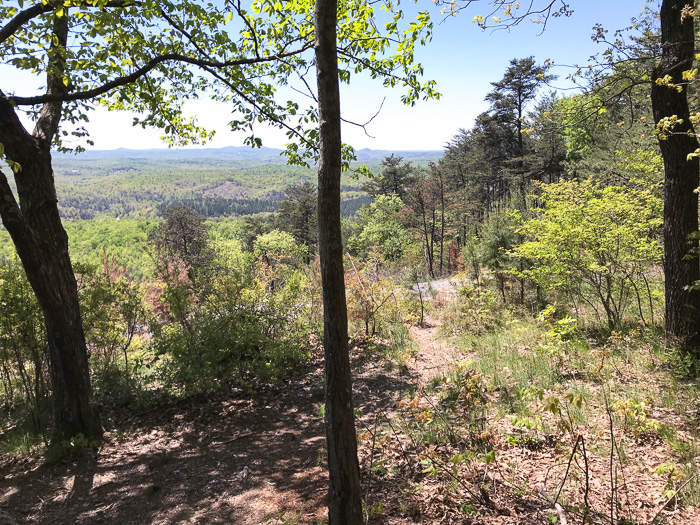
x=505, y=331
x=218, y=184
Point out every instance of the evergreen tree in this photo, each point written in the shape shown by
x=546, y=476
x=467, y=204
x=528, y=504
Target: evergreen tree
x=509, y=101
x=297, y=214
x=395, y=178
x=183, y=235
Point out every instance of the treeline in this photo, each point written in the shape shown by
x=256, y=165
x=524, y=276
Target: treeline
x=220, y=207
x=551, y=196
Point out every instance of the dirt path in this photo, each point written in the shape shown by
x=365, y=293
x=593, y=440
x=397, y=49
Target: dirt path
x=434, y=354
x=227, y=458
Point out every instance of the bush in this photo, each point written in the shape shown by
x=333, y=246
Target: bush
x=24, y=380
x=474, y=309
x=596, y=244
x=247, y=326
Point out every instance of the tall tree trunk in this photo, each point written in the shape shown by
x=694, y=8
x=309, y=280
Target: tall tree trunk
x=344, y=497
x=42, y=245
x=682, y=178
x=442, y=221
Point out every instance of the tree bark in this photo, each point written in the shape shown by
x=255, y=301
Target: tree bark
x=42, y=245
x=344, y=497
x=682, y=178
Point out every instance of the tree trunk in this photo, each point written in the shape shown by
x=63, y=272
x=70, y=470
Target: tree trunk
x=682, y=178
x=42, y=245
x=344, y=498
x=442, y=221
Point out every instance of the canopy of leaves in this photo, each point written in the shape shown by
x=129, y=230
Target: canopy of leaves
x=380, y=229
x=150, y=56
x=395, y=178
x=589, y=238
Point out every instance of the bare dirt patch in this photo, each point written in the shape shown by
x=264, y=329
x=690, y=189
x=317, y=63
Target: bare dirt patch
x=434, y=354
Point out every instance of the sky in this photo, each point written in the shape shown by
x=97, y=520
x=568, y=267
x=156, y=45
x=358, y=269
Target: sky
x=462, y=59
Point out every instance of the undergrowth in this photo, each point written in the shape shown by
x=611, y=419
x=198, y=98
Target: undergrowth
x=589, y=408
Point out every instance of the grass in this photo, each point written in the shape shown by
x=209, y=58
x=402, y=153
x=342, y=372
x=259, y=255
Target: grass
x=19, y=443
x=547, y=382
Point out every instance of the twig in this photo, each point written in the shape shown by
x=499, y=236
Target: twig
x=691, y=478
x=581, y=446
x=558, y=508
x=568, y=467
x=585, y=459
x=371, y=462
x=612, y=453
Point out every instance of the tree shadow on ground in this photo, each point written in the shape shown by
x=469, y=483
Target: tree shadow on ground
x=225, y=458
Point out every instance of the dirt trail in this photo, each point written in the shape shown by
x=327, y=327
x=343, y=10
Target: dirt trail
x=231, y=457
x=434, y=354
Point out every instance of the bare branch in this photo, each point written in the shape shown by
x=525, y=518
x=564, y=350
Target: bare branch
x=364, y=126
x=511, y=16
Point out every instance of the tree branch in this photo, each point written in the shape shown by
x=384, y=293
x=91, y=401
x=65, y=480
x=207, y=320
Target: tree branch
x=50, y=114
x=272, y=117
x=39, y=9
x=144, y=70
x=10, y=212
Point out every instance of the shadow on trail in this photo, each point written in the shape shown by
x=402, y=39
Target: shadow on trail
x=225, y=458
x=236, y=460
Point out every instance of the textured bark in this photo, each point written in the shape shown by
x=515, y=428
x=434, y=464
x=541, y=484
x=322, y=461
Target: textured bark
x=344, y=498
x=682, y=178
x=42, y=245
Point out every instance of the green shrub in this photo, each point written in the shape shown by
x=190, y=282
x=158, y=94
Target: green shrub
x=474, y=310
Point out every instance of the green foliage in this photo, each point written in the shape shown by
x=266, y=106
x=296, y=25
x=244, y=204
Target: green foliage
x=124, y=239
x=635, y=416
x=24, y=383
x=247, y=326
x=396, y=178
x=112, y=309
x=372, y=300
x=279, y=247
x=468, y=391
x=474, y=311
x=560, y=342
x=379, y=230
x=498, y=238
x=297, y=214
x=182, y=239
x=595, y=244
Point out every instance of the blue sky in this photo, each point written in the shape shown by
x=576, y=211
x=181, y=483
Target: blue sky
x=461, y=58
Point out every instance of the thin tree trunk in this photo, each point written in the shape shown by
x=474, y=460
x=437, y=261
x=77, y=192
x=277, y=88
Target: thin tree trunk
x=682, y=178
x=442, y=221
x=344, y=497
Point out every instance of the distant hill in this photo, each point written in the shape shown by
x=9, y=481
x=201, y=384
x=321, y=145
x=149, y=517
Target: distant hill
x=235, y=155
x=417, y=156
x=218, y=183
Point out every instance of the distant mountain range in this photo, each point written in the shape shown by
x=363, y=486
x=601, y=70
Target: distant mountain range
x=234, y=154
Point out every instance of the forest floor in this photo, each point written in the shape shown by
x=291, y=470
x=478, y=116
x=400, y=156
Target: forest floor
x=238, y=457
